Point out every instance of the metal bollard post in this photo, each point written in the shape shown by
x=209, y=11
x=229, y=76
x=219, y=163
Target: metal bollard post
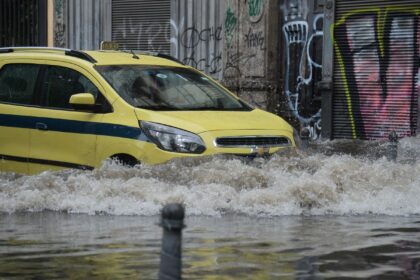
x=172, y=222
x=392, y=146
x=304, y=136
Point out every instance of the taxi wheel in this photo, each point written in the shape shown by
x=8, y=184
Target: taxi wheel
x=125, y=160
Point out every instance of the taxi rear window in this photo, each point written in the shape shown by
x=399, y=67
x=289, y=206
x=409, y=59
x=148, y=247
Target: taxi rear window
x=17, y=83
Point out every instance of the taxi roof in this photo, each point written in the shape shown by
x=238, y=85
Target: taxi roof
x=98, y=57
x=120, y=57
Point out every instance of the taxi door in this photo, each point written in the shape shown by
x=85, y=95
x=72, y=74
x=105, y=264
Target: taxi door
x=17, y=92
x=64, y=137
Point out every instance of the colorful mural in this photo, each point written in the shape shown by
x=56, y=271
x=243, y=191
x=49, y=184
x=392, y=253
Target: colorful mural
x=378, y=52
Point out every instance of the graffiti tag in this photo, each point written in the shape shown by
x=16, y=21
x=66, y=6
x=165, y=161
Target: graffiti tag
x=213, y=63
x=191, y=36
x=254, y=39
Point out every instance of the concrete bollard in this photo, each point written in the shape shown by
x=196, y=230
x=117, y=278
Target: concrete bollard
x=392, y=146
x=172, y=222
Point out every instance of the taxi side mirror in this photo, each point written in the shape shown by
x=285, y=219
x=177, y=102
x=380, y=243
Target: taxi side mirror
x=83, y=101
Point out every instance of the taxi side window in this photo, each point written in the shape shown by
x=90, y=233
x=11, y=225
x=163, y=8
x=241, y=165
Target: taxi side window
x=17, y=83
x=61, y=83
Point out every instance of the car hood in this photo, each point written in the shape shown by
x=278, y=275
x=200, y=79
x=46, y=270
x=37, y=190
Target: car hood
x=203, y=121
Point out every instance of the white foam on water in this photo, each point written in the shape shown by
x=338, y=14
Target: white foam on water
x=314, y=183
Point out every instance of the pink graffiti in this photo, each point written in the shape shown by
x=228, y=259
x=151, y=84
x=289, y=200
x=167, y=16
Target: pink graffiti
x=385, y=71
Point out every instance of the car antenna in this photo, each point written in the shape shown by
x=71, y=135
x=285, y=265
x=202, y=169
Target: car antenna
x=134, y=55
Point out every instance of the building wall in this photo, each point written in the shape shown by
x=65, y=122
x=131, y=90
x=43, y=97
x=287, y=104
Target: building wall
x=351, y=67
x=251, y=62
x=82, y=24
x=302, y=46
x=234, y=41
x=197, y=34
x=59, y=37
x=23, y=23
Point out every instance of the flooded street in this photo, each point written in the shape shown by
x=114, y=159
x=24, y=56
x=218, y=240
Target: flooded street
x=339, y=210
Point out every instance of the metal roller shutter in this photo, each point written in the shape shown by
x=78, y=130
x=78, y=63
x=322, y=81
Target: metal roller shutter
x=142, y=24
x=23, y=23
x=376, y=68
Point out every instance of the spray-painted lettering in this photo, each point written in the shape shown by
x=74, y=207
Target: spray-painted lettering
x=191, y=37
x=254, y=39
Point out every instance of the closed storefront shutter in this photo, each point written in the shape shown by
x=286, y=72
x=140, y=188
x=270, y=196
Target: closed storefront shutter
x=142, y=24
x=23, y=23
x=376, y=68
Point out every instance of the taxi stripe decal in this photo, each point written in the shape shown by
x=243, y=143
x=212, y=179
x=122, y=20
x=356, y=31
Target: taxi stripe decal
x=46, y=162
x=71, y=126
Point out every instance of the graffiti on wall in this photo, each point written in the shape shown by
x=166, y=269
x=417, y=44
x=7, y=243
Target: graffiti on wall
x=245, y=44
x=198, y=41
x=193, y=38
x=250, y=52
x=255, y=10
x=227, y=40
x=145, y=36
x=378, y=52
x=230, y=25
x=59, y=24
x=300, y=67
x=254, y=39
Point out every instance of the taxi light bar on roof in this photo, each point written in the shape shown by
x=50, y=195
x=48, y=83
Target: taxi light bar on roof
x=114, y=46
x=69, y=52
x=109, y=46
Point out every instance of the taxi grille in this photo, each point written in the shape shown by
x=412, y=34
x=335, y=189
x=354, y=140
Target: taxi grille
x=252, y=141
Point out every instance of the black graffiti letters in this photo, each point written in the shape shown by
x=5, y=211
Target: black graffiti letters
x=254, y=39
x=191, y=37
x=212, y=64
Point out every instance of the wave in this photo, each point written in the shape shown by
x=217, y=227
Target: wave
x=330, y=178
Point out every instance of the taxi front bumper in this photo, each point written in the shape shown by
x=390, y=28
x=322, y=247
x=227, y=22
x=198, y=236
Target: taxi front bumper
x=256, y=143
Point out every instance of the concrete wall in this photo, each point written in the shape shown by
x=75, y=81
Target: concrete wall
x=59, y=36
x=197, y=34
x=235, y=41
x=251, y=57
x=82, y=24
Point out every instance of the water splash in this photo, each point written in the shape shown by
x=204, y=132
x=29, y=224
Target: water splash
x=332, y=178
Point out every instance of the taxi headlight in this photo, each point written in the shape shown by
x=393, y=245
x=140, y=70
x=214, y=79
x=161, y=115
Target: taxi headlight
x=173, y=139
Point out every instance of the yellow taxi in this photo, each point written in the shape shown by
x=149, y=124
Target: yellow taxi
x=62, y=108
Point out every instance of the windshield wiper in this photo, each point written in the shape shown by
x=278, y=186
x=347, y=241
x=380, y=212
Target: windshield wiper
x=209, y=108
x=213, y=108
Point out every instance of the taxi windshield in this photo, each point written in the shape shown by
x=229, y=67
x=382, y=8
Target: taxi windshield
x=168, y=88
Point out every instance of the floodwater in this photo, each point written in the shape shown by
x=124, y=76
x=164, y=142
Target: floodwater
x=339, y=210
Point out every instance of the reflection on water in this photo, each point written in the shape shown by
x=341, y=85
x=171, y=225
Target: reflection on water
x=338, y=210
x=51, y=245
